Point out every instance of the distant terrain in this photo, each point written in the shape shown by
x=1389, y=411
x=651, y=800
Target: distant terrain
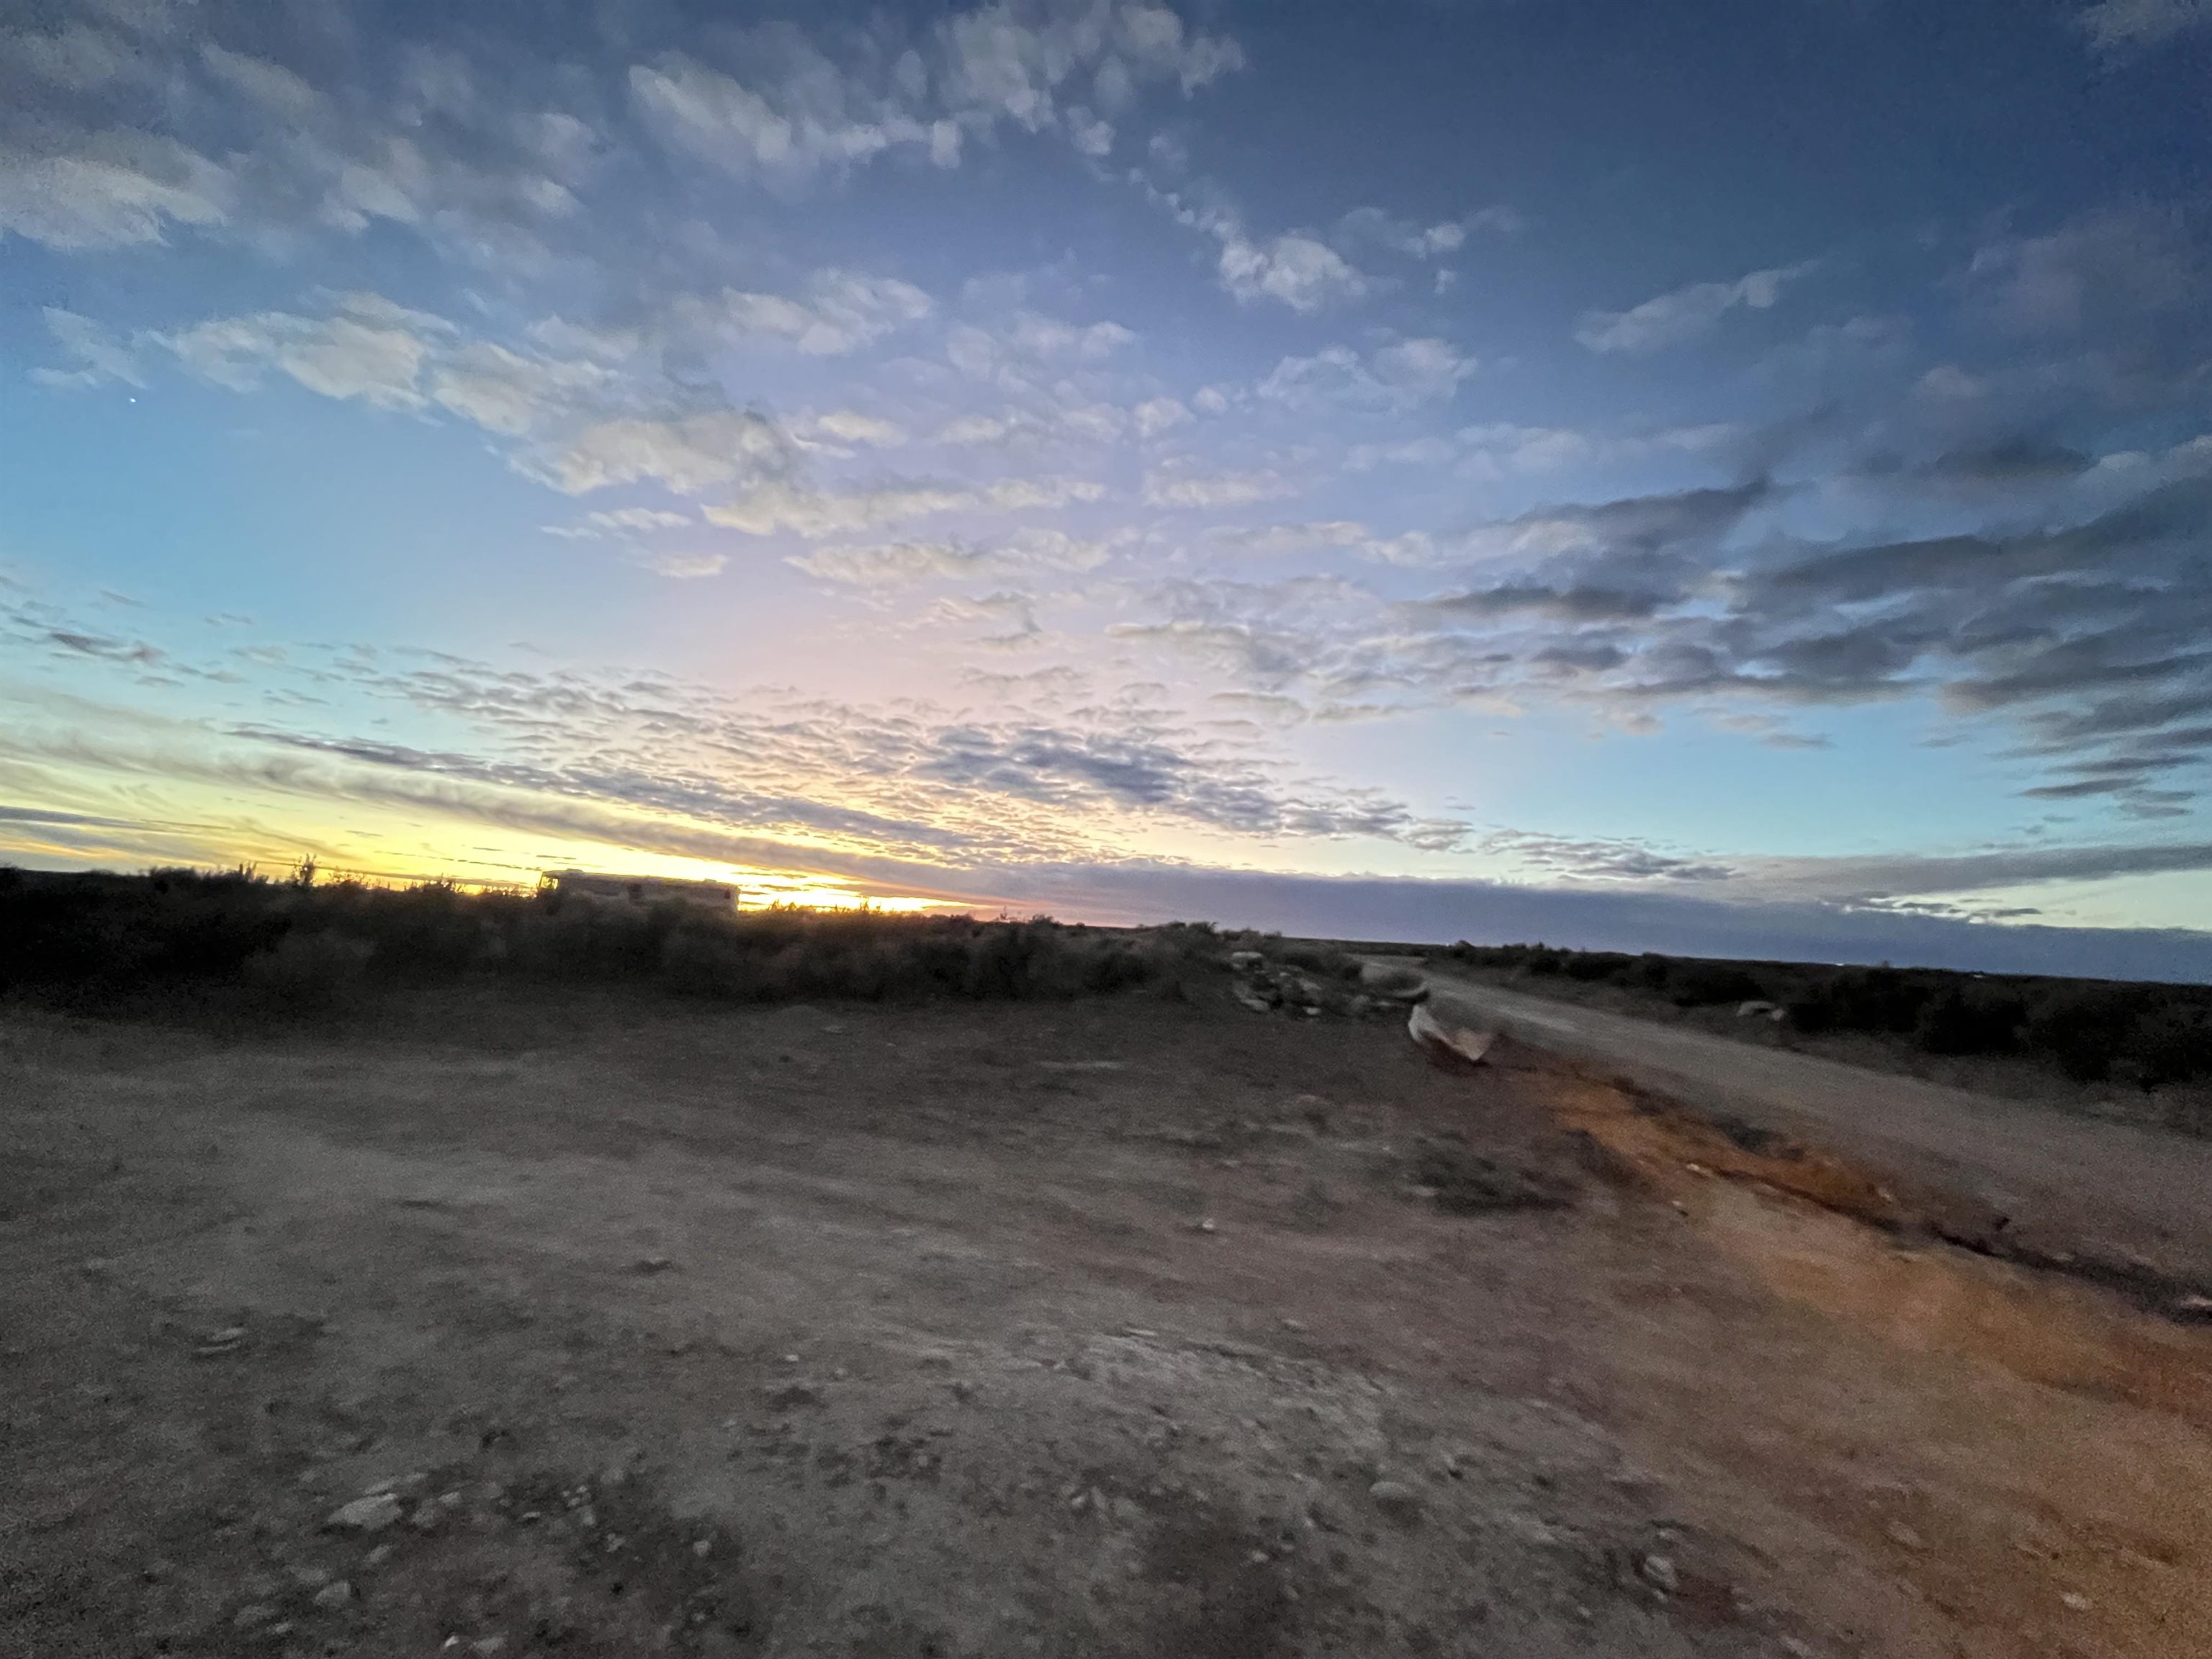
x=228, y=946
x=2130, y=1050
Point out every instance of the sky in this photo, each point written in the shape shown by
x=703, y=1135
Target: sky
x=1727, y=477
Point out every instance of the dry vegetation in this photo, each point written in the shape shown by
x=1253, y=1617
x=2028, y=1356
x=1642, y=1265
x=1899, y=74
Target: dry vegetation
x=182, y=941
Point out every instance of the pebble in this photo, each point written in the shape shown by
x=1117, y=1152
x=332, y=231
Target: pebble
x=371, y=1514
x=311, y=1577
x=337, y=1594
x=653, y=1264
x=1395, y=1498
x=379, y=1555
x=1902, y=1535
x=1659, y=1572
x=2075, y=1600
x=251, y=1614
x=1206, y=1225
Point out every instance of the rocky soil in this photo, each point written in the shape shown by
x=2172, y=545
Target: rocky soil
x=1131, y=1326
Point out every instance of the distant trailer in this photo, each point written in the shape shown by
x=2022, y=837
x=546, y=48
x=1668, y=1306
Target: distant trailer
x=639, y=892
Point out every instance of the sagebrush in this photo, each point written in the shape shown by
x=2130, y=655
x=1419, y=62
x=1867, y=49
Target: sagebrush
x=300, y=947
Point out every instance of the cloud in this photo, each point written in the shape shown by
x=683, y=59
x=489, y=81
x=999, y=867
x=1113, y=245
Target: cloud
x=1046, y=337
x=1173, y=486
x=688, y=453
x=622, y=522
x=812, y=122
x=1300, y=270
x=1603, y=861
x=2120, y=25
x=781, y=504
x=505, y=392
x=1158, y=416
x=786, y=113
x=1378, y=227
x=1335, y=533
x=1394, y=378
x=100, y=356
x=841, y=313
x=682, y=567
x=1672, y=319
x=899, y=565
x=115, y=188
x=363, y=351
x=2106, y=276
x=850, y=426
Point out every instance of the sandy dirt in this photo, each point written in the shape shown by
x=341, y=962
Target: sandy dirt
x=2134, y=1201
x=1119, y=1327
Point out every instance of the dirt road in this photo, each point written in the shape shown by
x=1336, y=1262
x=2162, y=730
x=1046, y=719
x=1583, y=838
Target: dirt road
x=2124, y=1194
x=1128, y=1327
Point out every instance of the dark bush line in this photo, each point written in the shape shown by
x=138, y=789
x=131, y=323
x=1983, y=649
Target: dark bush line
x=296, y=947
x=2091, y=1029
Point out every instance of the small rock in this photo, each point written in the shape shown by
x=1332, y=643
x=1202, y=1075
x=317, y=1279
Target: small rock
x=2192, y=1306
x=486, y=1646
x=1395, y=1498
x=1294, y=1324
x=253, y=1615
x=311, y=1577
x=2075, y=1600
x=1904, y=1536
x=156, y=1570
x=371, y=1514
x=334, y=1595
x=701, y=1547
x=653, y=1264
x=1658, y=1571
x=1206, y=1225
x=791, y=1395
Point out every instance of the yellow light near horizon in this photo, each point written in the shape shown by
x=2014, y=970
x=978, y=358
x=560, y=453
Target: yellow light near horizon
x=836, y=898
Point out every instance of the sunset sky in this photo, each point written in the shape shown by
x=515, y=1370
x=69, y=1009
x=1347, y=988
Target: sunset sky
x=1723, y=476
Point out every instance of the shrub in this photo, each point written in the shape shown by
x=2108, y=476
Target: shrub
x=1956, y=1022
x=299, y=944
x=1698, y=984
x=2082, y=1032
x=307, y=973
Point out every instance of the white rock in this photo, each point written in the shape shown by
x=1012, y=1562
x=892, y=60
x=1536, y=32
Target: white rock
x=337, y=1594
x=371, y=1514
x=1395, y=1498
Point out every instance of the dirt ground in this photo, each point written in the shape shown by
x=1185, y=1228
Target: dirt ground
x=1131, y=1327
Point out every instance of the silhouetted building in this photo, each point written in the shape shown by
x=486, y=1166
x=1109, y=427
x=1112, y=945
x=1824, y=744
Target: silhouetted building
x=639, y=892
